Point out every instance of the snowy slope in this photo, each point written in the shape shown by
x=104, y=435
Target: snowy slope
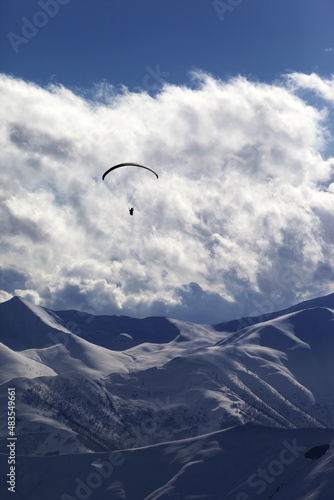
x=193, y=379
x=113, y=332
x=17, y=364
x=173, y=396
x=24, y=325
x=240, y=463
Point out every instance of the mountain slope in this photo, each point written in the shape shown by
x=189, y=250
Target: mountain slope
x=327, y=301
x=239, y=463
x=24, y=325
x=16, y=364
x=75, y=396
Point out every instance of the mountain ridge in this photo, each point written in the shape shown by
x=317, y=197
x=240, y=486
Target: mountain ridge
x=233, y=464
x=186, y=400
x=326, y=301
x=79, y=323
x=63, y=321
x=197, y=379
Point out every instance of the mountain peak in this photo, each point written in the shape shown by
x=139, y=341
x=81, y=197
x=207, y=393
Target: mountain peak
x=24, y=325
x=326, y=301
x=181, y=378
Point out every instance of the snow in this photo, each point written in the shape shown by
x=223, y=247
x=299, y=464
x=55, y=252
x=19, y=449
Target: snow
x=26, y=325
x=239, y=463
x=17, y=364
x=179, y=399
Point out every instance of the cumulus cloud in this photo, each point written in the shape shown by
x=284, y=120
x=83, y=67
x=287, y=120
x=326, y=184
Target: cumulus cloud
x=321, y=86
x=239, y=222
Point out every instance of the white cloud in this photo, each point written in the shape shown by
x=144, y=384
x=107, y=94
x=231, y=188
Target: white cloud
x=239, y=222
x=321, y=86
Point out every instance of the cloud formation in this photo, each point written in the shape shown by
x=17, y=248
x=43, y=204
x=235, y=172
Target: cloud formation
x=240, y=221
x=321, y=86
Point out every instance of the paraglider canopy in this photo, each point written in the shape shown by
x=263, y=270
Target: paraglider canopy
x=131, y=210
x=128, y=164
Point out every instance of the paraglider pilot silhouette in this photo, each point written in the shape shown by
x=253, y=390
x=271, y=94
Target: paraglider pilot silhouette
x=131, y=210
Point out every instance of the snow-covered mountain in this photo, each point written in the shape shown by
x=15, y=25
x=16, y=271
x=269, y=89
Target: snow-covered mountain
x=94, y=384
x=241, y=463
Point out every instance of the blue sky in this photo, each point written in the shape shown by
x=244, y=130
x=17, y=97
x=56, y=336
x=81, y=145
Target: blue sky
x=231, y=102
x=86, y=42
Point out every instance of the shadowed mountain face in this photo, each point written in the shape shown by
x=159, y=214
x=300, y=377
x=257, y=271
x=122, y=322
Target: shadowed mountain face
x=26, y=326
x=156, y=380
x=317, y=451
x=98, y=384
x=240, y=463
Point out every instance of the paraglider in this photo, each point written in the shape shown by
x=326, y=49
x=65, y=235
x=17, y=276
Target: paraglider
x=131, y=210
x=128, y=164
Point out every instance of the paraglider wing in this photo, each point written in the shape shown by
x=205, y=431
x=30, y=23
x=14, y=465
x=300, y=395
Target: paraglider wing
x=128, y=164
